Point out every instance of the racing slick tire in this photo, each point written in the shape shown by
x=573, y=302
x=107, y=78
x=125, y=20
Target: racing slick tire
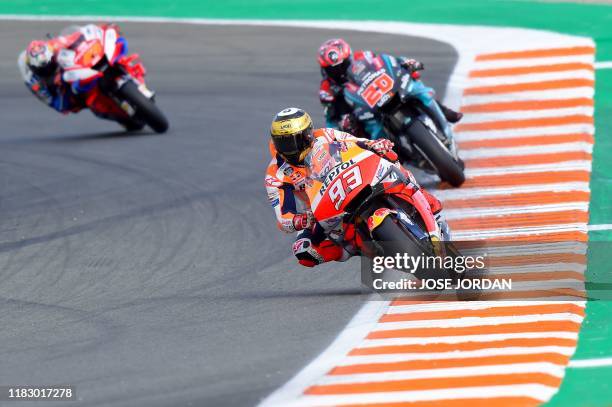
x=395, y=239
x=145, y=108
x=399, y=240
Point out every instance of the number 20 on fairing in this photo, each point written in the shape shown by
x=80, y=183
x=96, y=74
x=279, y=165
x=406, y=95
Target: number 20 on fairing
x=343, y=185
x=377, y=89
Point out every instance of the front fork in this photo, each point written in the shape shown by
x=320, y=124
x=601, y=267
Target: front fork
x=434, y=231
x=125, y=106
x=426, y=96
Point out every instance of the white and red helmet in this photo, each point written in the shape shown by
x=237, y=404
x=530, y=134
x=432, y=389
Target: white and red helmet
x=39, y=57
x=335, y=57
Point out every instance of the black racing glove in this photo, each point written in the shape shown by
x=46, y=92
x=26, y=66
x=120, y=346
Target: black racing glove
x=412, y=64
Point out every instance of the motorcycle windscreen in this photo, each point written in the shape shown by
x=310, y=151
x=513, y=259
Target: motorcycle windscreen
x=91, y=55
x=322, y=158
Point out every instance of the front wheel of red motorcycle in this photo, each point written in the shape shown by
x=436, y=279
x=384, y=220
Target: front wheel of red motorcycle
x=145, y=108
x=396, y=240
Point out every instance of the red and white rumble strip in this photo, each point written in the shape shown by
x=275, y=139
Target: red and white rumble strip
x=527, y=139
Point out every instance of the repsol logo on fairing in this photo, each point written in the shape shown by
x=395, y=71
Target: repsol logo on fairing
x=333, y=173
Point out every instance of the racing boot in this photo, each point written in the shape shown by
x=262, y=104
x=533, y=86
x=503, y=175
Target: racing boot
x=451, y=115
x=310, y=255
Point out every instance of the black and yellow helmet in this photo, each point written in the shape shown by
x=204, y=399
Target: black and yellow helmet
x=291, y=133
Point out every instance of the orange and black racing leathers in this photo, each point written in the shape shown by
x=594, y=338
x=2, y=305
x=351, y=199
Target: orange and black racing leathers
x=286, y=184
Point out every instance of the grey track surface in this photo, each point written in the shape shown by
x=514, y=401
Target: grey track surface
x=147, y=270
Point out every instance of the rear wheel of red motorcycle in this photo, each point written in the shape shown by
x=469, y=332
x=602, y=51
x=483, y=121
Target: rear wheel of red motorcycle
x=437, y=154
x=145, y=108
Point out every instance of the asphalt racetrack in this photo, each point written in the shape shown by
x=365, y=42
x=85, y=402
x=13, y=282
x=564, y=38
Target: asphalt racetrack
x=147, y=270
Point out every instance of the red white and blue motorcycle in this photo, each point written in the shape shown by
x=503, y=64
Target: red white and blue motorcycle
x=95, y=63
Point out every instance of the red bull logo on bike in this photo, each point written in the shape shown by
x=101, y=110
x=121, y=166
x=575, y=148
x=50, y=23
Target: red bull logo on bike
x=378, y=217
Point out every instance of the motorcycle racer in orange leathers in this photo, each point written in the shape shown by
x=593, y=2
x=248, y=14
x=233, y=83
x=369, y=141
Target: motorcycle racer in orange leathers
x=292, y=137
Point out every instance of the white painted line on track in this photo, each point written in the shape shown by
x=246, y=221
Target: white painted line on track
x=594, y=228
x=536, y=391
x=526, y=114
x=532, y=78
x=474, y=305
x=547, y=285
x=465, y=193
x=481, y=353
x=525, y=132
x=586, y=363
x=467, y=235
x=374, y=343
x=513, y=210
x=548, y=267
x=569, y=93
x=603, y=65
x=526, y=150
x=572, y=165
x=537, y=248
x=518, y=368
x=461, y=322
x=533, y=62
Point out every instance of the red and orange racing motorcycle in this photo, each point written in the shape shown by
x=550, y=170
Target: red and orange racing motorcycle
x=371, y=205
x=109, y=82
